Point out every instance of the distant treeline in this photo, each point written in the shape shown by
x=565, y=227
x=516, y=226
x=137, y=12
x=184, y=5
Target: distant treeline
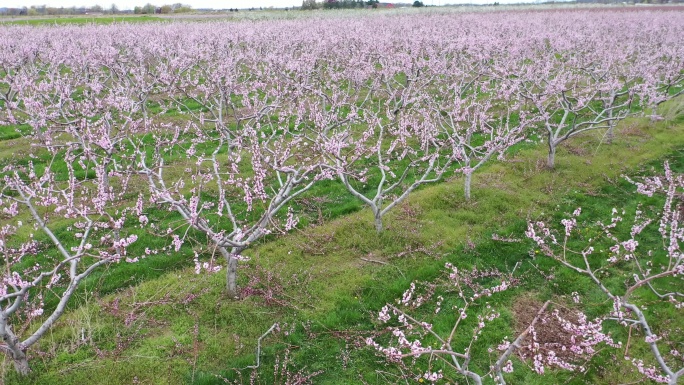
x=96, y=9
x=339, y=4
x=174, y=8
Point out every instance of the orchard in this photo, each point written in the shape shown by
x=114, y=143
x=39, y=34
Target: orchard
x=329, y=163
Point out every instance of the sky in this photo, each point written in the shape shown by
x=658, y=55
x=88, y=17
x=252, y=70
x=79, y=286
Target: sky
x=216, y=4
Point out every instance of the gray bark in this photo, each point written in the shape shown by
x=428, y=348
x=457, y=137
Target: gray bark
x=231, y=278
x=378, y=222
x=468, y=180
x=14, y=348
x=610, y=135
x=551, y=161
x=21, y=365
x=231, y=270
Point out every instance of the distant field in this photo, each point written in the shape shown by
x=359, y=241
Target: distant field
x=80, y=20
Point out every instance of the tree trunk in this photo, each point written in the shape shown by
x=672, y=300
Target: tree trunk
x=610, y=135
x=231, y=277
x=231, y=270
x=378, y=222
x=21, y=363
x=12, y=347
x=551, y=161
x=466, y=187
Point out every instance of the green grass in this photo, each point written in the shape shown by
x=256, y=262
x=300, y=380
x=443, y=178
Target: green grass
x=10, y=132
x=80, y=20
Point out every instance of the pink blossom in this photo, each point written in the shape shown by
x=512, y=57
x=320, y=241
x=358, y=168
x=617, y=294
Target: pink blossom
x=508, y=368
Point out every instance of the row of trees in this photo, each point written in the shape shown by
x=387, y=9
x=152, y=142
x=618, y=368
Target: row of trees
x=338, y=4
x=148, y=9
x=225, y=126
x=96, y=9
x=639, y=278
x=54, y=11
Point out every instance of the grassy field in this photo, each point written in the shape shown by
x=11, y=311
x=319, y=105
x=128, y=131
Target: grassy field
x=325, y=283
x=80, y=20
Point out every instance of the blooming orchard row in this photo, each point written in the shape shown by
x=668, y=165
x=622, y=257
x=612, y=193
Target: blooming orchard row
x=642, y=280
x=225, y=124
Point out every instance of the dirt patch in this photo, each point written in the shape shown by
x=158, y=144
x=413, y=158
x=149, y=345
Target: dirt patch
x=582, y=149
x=634, y=129
x=552, y=338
